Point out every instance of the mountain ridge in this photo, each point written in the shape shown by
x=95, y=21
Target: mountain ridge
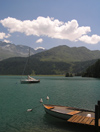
x=67, y=54
x=8, y=50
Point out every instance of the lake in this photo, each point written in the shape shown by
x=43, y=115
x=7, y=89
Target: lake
x=16, y=98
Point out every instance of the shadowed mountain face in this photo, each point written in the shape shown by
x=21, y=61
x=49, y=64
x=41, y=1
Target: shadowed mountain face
x=8, y=50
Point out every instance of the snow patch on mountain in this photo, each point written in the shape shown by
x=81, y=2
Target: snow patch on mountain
x=39, y=48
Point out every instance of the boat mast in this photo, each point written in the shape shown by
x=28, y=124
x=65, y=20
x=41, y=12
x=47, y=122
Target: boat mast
x=27, y=62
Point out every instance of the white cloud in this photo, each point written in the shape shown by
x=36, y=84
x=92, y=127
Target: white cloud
x=3, y=35
x=39, y=48
x=7, y=41
x=50, y=27
x=39, y=40
x=94, y=39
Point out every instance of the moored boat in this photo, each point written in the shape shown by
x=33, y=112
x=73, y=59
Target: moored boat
x=30, y=80
x=64, y=112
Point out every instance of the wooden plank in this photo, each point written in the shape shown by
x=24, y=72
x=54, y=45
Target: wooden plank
x=81, y=119
x=92, y=123
x=72, y=118
x=73, y=112
x=89, y=120
x=77, y=119
x=99, y=122
x=85, y=120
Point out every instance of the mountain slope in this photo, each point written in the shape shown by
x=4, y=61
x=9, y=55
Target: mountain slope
x=67, y=54
x=54, y=61
x=93, y=70
x=58, y=60
x=15, y=66
x=8, y=50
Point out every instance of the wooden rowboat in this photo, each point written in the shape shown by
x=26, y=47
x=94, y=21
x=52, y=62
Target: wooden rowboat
x=64, y=112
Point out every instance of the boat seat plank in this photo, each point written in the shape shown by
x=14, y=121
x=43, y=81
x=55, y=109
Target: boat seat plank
x=73, y=112
x=49, y=107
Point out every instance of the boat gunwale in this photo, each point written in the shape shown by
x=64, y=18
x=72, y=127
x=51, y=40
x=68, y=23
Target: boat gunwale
x=71, y=108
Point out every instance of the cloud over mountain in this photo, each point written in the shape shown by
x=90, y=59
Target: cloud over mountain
x=52, y=28
x=39, y=40
x=7, y=41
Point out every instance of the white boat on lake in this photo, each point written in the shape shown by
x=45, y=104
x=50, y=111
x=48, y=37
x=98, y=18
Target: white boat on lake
x=30, y=80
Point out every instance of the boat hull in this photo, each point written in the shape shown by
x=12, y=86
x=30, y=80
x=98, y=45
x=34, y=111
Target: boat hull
x=25, y=81
x=57, y=114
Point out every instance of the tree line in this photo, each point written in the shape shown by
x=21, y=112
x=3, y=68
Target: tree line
x=17, y=66
x=93, y=70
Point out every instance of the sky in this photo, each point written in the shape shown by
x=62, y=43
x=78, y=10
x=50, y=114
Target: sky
x=50, y=23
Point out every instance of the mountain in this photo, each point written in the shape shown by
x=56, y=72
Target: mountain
x=67, y=54
x=58, y=60
x=8, y=50
x=93, y=70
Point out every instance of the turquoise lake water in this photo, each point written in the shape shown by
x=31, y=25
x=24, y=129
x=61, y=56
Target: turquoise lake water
x=16, y=98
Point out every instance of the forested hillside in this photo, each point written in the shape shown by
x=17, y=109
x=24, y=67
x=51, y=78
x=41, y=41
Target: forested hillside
x=67, y=54
x=93, y=70
x=58, y=60
x=16, y=65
